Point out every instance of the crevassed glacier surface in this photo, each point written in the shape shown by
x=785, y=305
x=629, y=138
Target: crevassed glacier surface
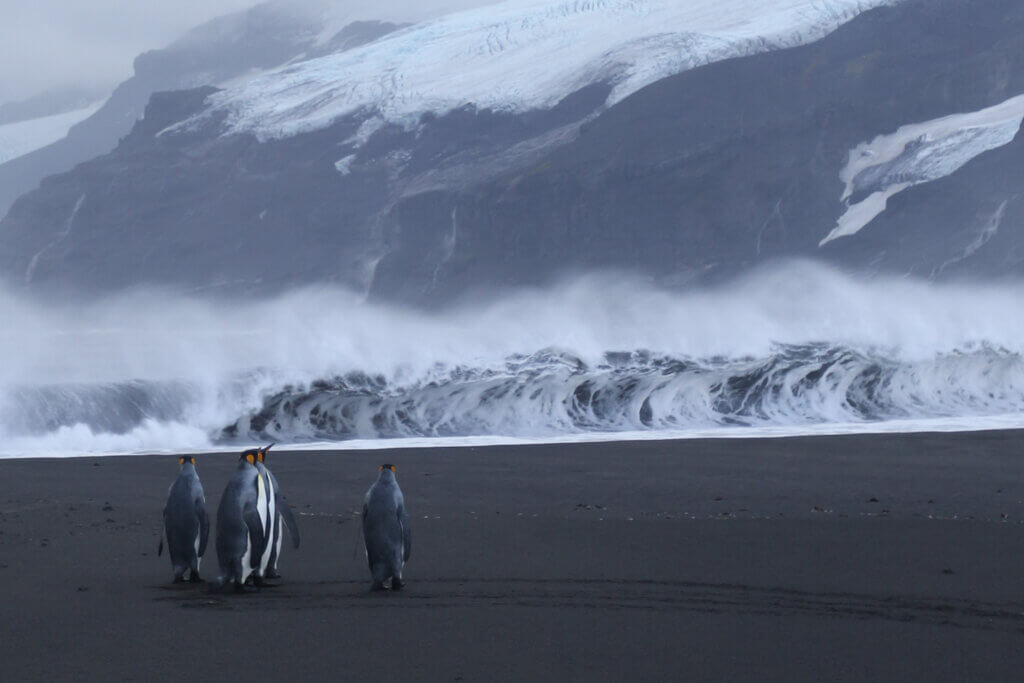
x=521, y=55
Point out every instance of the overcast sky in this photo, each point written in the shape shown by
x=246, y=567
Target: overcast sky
x=47, y=44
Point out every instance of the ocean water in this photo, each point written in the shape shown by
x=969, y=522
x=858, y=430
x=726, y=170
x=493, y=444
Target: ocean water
x=793, y=349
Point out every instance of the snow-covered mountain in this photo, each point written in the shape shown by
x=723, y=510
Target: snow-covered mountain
x=215, y=53
x=512, y=143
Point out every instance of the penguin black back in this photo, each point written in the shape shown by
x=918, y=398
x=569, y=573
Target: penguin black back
x=386, y=531
x=241, y=537
x=186, y=524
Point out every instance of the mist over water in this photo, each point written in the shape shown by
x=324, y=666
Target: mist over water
x=795, y=346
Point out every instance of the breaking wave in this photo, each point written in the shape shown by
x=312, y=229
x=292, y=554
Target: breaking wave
x=551, y=392
x=798, y=346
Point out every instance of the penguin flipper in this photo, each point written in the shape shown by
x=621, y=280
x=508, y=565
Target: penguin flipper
x=403, y=519
x=366, y=545
x=256, y=535
x=204, y=526
x=289, y=520
x=160, y=548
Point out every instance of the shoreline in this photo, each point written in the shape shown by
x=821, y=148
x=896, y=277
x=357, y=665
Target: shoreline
x=922, y=426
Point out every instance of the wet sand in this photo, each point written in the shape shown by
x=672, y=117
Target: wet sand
x=882, y=558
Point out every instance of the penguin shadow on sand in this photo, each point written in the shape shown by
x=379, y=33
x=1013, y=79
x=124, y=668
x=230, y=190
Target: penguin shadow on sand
x=250, y=525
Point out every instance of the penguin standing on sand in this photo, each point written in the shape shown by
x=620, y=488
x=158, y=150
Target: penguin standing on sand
x=241, y=522
x=267, y=508
x=186, y=524
x=386, y=530
x=284, y=514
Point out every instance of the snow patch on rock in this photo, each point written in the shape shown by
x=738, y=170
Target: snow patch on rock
x=919, y=153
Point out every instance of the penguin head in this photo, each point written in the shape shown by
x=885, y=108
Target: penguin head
x=261, y=453
x=250, y=456
x=186, y=460
x=387, y=471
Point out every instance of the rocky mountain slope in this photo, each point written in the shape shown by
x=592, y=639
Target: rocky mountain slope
x=889, y=144
x=214, y=53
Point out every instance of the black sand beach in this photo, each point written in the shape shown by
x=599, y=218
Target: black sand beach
x=859, y=558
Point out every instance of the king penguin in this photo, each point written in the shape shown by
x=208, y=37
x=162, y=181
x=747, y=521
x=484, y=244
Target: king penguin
x=266, y=506
x=186, y=524
x=241, y=522
x=284, y=515
x=386, y=530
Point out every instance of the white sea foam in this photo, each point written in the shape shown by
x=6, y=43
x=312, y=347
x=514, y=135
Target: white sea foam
x=152, y=440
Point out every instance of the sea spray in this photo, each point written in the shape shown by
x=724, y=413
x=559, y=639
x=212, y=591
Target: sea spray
x=797, y=344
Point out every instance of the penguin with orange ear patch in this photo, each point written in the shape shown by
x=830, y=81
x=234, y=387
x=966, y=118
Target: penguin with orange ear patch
x=241, y=522
x=186, y=525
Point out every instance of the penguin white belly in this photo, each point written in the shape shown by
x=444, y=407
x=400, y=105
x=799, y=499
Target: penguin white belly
x=261, y=500
x=246, y=569
x=261, y=509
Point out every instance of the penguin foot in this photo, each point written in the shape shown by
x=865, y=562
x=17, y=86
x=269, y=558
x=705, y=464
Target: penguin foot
x=195, y=578
x=273, y=574
x=397, y=584
x=243, y=588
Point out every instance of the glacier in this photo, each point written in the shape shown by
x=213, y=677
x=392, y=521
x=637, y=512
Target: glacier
x=919, y=153
x=520, y=55
x=21, y=137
